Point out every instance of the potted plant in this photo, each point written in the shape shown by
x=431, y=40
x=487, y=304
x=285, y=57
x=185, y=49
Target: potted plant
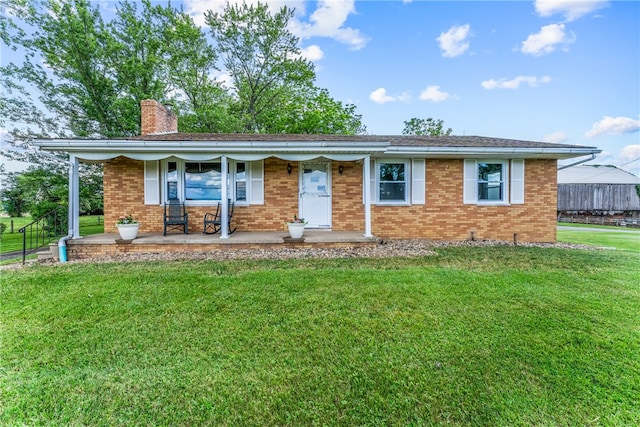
x=296, y=227
x=128, y=227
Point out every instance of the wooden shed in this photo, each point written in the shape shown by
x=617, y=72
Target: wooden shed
x=598, y=190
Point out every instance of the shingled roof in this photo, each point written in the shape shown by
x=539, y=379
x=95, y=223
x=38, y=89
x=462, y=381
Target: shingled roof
x=392, y=140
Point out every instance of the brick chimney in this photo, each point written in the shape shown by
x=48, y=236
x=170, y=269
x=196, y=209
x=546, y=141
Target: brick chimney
x=156, y=118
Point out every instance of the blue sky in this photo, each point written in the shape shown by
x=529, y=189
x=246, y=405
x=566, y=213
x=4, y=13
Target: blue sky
x=557, y=71
x=563, y=71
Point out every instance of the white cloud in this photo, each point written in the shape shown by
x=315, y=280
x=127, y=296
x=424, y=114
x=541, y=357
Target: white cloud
x=197, y=8
x=627, y=159
x=556, y=137
x=224, y=78
x=547, y=40
x=613, y=126
x=380, y=96
x=434, y=94
x=571, y=9
x=630, y=153
x=328, y=21
x=454, y=42
x=515, y=83
x=312, y=53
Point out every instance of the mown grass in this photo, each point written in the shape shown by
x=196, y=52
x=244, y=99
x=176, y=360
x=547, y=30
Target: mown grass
x=617, y=238
x=471, y=336
x=11, y=242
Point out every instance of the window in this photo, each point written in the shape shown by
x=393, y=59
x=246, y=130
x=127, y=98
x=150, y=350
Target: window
x=241, y=182
x=494, y=182
x=201, y=182
x=172, y=180
x=490, y=181
x=392, y=182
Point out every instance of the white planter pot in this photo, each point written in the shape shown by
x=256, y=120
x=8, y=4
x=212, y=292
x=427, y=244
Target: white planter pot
x=128, y=231
x=296, y=229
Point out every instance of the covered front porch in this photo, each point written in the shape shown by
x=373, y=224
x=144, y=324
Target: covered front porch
x=110, y=244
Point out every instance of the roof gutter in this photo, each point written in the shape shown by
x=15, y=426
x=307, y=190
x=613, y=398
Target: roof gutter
x=493, y=151
x=579, y=162
x=204, y=146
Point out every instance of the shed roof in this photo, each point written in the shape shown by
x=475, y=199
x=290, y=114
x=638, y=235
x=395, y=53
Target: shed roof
x=596, y=174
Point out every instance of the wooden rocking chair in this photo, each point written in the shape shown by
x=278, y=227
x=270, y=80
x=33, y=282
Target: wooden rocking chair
x=213, y=222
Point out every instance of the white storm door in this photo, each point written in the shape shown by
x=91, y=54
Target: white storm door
x=315, y=194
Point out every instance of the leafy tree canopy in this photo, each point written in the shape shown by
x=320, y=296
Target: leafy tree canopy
x=83, y=76
x=426, y=127
x=90, y=75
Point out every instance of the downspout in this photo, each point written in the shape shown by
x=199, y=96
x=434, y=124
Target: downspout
x=73, y=210
x=62, y=248
x=579, y=162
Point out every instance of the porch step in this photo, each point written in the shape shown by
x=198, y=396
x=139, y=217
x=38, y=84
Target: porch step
x=48, y=253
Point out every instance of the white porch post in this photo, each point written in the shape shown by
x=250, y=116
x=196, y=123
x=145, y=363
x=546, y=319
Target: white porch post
x=74, y=197
x=224, y=214
x=366, y=169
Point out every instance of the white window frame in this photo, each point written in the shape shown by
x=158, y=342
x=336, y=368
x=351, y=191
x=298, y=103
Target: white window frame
x=231, y=182
x=504, y=182
x=407, y=182
x=472, y=181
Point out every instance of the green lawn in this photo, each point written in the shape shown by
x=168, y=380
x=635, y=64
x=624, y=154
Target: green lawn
x=624, y=239
x=471, y=336
x=10, y=242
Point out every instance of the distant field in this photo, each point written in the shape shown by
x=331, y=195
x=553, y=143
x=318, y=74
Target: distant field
x=628, y=240
x=10, y=242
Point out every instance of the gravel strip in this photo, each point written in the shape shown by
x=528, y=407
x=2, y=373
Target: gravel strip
x=384, y=249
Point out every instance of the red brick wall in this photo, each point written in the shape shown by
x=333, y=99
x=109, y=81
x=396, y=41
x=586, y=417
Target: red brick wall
x=443, y=217
x=156, y=118
x=347, y=201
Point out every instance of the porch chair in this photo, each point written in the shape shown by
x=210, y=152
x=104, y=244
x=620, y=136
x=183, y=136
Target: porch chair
x=213, y=223
x=175, y=216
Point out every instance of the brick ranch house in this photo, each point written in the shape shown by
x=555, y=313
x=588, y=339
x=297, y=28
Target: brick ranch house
x=442, y=188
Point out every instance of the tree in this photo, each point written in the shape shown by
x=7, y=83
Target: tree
x=202, y=103
x=427, y=127
x=315, y=112
x=97, y=72
x=262, y=57
x=36, y=191
x=82, y=76
x=273, y=84
x=13, y=204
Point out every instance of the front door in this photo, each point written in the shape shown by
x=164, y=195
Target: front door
x=315, y=193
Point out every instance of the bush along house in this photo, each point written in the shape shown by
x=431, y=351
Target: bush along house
x=389, y=187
